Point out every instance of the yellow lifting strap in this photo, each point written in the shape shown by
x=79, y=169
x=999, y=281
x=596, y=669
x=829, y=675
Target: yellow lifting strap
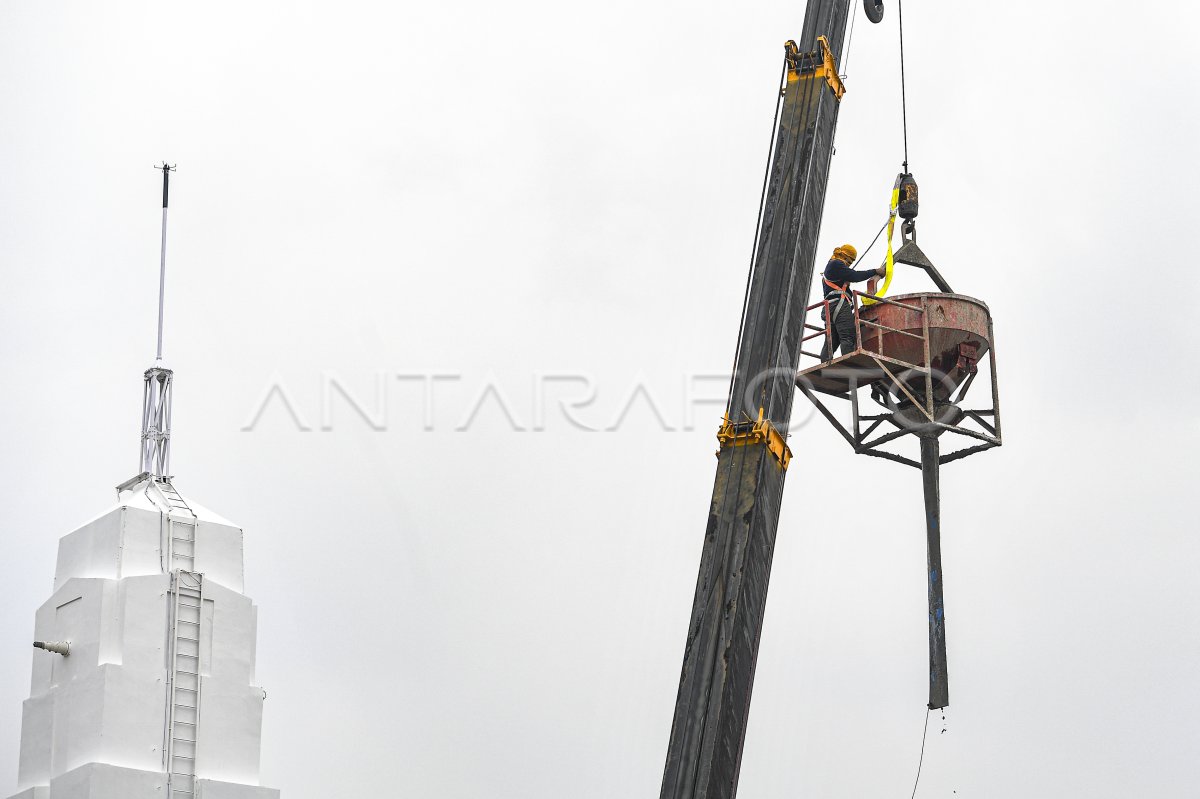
x=889, y=263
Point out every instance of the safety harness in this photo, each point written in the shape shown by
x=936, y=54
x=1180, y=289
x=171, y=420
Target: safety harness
x=843, y=296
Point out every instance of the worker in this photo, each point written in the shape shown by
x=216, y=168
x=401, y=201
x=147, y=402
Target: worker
x=839, y=301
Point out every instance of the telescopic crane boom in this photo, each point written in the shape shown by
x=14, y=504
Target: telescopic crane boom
x=709, y=725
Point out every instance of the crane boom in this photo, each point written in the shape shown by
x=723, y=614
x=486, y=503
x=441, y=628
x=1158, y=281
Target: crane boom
x=713, y=703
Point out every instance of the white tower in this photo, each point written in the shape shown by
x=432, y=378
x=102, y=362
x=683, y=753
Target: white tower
x=144, y=688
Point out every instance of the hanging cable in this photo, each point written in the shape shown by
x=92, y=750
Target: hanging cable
x=791, y=138
x=811, y=87
x=737, y=353
x=903, y=92
x=863, y=257
x=849, y=41
x=921, y=762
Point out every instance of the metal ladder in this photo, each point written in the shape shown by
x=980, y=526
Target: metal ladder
x=187, y=589
x=174, y=501
x=181, y=532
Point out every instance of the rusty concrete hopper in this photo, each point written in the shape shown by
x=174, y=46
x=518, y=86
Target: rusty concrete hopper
x=900, y=337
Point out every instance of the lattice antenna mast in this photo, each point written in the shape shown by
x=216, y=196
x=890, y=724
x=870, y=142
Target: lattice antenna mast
x=156, y=398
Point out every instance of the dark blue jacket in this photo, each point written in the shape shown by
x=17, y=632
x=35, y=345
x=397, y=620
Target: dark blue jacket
x=837, y=272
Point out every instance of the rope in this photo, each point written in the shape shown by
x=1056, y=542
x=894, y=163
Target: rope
x=903, y=92
x=810, y=116
x=922, y=760
x=849, y=41
x=862, y=257
x=737, y=353
x=792, y=136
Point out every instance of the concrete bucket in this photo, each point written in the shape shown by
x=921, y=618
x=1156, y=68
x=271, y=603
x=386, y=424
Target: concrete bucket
x=958, y=336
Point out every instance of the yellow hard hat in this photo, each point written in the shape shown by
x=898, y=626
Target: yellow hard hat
x=846, y=253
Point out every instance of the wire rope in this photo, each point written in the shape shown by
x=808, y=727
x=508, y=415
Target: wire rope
x=863, y=257
x=921, y=761
x=849, y=42
x=812, y=133
x=737, y=353
x=786, y=185
x=903, y=89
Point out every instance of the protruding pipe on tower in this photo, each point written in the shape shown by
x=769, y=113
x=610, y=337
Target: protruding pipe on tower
x=57, y=647
x=166, y=169
x=939, y=689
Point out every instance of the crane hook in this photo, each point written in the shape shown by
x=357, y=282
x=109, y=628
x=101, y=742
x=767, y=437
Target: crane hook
x=874, y=9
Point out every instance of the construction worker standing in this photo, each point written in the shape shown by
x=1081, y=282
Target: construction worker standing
x=840, y=301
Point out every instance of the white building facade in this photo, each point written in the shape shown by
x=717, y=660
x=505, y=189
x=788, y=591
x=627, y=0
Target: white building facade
x=156, y=696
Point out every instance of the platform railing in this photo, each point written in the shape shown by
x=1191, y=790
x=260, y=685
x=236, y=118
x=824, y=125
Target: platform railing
x=888, y=365
x=826, y=331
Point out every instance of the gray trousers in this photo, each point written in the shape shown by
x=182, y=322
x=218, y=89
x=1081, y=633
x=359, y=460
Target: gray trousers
x=843, y=330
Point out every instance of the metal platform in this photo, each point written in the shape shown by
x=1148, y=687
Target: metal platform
x=919, y=355
x=851, y=372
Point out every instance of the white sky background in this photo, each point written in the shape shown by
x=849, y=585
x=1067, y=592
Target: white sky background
x=506, y=190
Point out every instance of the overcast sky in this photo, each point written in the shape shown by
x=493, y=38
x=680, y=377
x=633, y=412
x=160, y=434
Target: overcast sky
x=508, y=191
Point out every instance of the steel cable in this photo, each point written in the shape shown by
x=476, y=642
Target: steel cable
x=903, y=90
x=790, y=176
x=863, y=257
x=849, y=42
x=921, y=761
x=811, y=137
x=737, y=353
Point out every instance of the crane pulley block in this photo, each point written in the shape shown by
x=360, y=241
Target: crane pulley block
x=908, y=205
